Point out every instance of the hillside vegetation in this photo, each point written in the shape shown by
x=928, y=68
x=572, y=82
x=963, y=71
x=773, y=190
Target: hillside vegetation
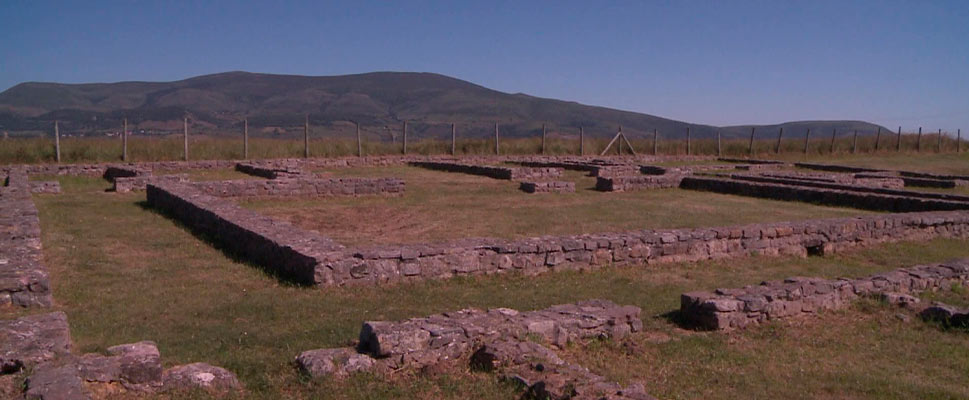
x=430, y=102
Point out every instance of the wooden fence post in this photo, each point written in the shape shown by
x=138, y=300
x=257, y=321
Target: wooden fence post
x=57, y=141
x=359, y=140
x=777, y=147
x=898, y=140
x=958, y=140
x=496, y=139
x=185, y=138
x=750, y=147
x=245, y=138
x=834, y=132
x=405, y=138
x=124, y=141
x=878, y=137
x=306, y=137
x=454, y=137
x=688, y=150
x=938, y=146
x=854, y=142
x=806, y=137
x=918, y=142
x=719, y=145
x=543, y=139
x=655, y=133
x=620, y=142
x=581, y=141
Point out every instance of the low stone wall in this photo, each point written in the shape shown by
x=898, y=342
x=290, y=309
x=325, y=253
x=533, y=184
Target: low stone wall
x=138, y=183
x=288, y=251
x=861, y=179
x=302, y=187
x=124, y=171
x=269, y=171
x=933, y=183
x=39, y=346
x=835, y=168
x=933, y=176
x=23, y=276
x=492, y=172
x=548, y=187
x=502, y=340
x=638, y=182
x=313, y=259
x=859, y=187
x=751, y=161
x=726, y=309
x=857, y=197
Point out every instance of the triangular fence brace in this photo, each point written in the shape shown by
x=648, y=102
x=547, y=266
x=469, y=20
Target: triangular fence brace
x=618, y=136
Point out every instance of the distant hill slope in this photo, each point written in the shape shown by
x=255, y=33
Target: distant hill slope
x=221, y=101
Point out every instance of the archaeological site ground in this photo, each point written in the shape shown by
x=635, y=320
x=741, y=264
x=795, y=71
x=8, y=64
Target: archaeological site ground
x=488, y=277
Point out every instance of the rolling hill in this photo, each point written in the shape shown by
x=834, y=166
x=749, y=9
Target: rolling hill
x=428, y=101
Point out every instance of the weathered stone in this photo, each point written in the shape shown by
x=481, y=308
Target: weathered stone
x=52, y=382
x=200, y=376
x=333, y=362
x=738, y=308
x=31, y=340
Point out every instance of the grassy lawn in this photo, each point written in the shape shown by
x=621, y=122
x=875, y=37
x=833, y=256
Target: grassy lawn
x=124, y=273
x=218, y=174
x=439, y=206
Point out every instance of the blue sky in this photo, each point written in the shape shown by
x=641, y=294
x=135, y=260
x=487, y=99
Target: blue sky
x=715, y=62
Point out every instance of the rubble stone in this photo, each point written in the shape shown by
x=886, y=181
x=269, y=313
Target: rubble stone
x=727, y=309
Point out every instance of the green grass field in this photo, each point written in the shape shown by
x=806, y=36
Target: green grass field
x=124, y=273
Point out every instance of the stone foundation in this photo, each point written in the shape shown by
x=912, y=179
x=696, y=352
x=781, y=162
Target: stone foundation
x=726, y=309
x=138, y=183
x=302, y=187
x=860, y=187
x=804, y=192
x=271, y=171
x=40, y=347
x=548, y=187
x=521, y=173
x=638, y=182
x=287, y=250
x=500, y=340
x=313, y=259
x=23, y=276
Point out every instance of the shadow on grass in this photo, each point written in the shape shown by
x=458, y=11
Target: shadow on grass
x=215, y=243
x=678, y=319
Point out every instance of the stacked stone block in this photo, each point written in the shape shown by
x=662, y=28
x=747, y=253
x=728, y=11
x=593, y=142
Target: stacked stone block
x=315, y=259
x=726, y=309
x=856, y=186
x=864, y=198
x=500, y=339
x=270, y=170
x=521, y=173
x=547, y=187
x=289, y=251
x=638, y=182
x=40, y=346
x=23, y=276
x=302, y=187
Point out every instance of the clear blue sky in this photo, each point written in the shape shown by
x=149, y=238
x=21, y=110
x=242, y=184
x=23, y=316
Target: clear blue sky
x=714, y=62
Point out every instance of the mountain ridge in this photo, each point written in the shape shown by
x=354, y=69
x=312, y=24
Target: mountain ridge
x=220, y=102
